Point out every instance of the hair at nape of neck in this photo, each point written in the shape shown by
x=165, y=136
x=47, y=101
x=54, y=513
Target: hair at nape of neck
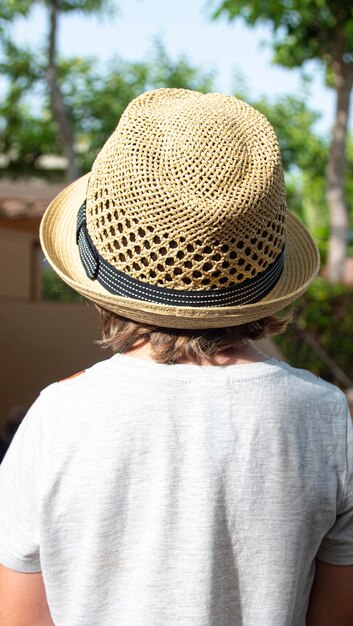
x=174, y=345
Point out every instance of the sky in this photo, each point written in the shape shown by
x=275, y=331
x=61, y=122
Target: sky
x=185, y=27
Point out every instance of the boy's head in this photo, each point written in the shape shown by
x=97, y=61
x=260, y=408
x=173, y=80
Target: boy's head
x=182, y=223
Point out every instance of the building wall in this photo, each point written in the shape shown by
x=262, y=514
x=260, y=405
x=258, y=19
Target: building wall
x=16, y=250
x=40, y=343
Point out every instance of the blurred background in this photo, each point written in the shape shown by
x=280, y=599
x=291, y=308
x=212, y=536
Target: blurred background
x=68, y=68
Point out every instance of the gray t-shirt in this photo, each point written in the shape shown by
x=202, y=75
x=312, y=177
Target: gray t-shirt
x=157, y=495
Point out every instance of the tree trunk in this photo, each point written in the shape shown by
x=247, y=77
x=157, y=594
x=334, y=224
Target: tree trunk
x=59, y=109
x=339, y=216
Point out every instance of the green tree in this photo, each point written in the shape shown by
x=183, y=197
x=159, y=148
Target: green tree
x=303, y=151
x=304, y=155
x=320, y=30
x=27, y=132
x=9, y=10
x=94, y=95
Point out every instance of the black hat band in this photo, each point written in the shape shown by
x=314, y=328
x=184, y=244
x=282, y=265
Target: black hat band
x=118, y=283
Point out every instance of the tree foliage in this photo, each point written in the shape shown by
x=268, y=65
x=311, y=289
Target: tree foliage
x=321, y=31
x=303, y=152
x=321, y=338
x=304, y=156
x=9, y=11
x=94, y=94
x=303, y=30
x=28, y=131
x=98, y=95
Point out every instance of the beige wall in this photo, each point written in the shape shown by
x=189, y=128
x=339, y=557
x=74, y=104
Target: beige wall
x=40, y=343
x=16, y=258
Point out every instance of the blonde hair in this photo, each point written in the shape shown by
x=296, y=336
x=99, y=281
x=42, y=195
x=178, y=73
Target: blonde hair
x=173, y=345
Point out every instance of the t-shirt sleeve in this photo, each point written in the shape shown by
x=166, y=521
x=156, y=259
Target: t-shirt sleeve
x=337, y=545
x=19, y=482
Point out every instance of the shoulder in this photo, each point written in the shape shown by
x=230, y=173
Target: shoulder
x=69, y=405
x=308, y=386
x=78, y=384
x=72, y=376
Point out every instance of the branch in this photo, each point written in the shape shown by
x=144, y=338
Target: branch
x=325, y=357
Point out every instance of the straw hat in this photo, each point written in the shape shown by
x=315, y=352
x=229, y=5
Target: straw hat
x=182, y=221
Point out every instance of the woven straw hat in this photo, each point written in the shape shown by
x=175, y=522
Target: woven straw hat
x=182, y=221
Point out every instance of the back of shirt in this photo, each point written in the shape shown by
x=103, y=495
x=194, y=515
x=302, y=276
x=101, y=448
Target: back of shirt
x=156, y=495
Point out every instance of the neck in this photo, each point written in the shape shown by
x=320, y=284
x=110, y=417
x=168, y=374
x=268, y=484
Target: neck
x=246, y=354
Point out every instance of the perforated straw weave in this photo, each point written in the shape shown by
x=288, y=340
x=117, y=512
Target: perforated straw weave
x=188, y=193
x=186, y=197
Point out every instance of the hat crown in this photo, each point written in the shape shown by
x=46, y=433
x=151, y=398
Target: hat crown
x=188, y=193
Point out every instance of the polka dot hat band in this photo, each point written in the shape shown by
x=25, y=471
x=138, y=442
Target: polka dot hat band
x=183, y=221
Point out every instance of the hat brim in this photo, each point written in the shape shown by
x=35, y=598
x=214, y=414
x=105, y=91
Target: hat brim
x=58, y=240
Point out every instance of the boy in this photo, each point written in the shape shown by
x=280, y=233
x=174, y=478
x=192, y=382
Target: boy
x=189, y=479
